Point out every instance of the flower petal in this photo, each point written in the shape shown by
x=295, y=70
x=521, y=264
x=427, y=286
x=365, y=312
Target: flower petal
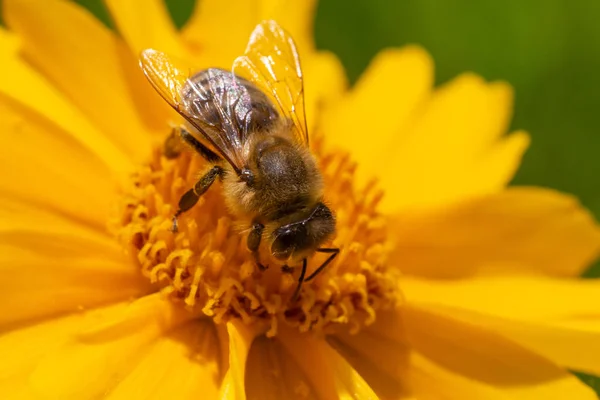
x=452, y=149
x=9, y=44
x=519, y=230
x=483, y=362
x=211, y=33
x=72, y=282
x=83, y=355
x=349, y=384
x=50, y=169
x=296, y=17
x=272, y=374
x=310, y=354
x=17, y=83
x=87, y=66
x=46, y=256
x=241, y=337
x=556, y=318
x=369, y=120
x=431, y=381
x=324, y=84
x=146, y=24
x=21, y=223
x=380, y=360
x=179, y=365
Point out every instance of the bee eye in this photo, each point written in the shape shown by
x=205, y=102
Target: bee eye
x=287, y=239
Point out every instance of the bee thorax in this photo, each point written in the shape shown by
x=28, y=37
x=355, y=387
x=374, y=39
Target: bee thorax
x=285, y=180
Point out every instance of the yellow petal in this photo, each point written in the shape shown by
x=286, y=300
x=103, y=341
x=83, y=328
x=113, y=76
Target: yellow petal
x=218, y=33
x=272, y=374
x=50, y=169
x=452, y=149
x=296, y=17
x=519, y=230
x=84, y=60
x=241, y=337
x=310, y=354
x=9, y=43
x=324, y=84
x=17, y=83
x=146, y=24
x=369, y=119
x=431, y=381
x=158, y=116
x=324, y=373
x=83, y=356
x=44, y=256
x=328, y=372
x=486, y=365
x=520, y=298
x=69, y=264
x=23, y=349
x=21, y=224
x=540, y=314
x=380, y=360
x=349, y=384
x=183, y=364
x=72, y=283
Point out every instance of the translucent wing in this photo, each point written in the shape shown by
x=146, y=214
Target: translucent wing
x=271, y=61
x=214, y=101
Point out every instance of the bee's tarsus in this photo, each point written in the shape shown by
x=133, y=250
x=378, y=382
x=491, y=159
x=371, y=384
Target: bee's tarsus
x=174, y=225
x=333, y=251
x=253, y=243
x=300, y=280
x=254, y=237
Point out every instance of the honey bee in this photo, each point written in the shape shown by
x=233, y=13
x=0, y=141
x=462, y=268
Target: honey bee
x=253, y=134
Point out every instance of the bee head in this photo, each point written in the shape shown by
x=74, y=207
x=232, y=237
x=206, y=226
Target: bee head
x=303, y=236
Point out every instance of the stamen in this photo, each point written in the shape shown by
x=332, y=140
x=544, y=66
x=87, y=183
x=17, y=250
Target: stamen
x=205, y=264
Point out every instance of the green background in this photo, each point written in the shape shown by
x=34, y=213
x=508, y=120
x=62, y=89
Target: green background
x=549, y=50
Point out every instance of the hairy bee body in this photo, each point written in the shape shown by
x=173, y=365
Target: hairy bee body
x=285, y=181
x=251, y=127
x=283, y=184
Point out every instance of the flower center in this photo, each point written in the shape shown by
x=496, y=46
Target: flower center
x=206, y=262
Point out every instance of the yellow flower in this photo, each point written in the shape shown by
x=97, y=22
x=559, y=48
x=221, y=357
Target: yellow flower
x=488, y=303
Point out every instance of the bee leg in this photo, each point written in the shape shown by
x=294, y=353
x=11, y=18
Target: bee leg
x=191, y=197
x=334, y=252
x=201, y=149
x=300, y=280
x=253, y=242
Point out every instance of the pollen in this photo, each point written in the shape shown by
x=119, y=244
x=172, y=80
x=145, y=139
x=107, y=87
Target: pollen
x=206, y=265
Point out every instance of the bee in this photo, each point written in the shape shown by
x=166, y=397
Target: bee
x=253, y=132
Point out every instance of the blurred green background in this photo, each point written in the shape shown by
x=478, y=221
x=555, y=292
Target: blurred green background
x=549, y=50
